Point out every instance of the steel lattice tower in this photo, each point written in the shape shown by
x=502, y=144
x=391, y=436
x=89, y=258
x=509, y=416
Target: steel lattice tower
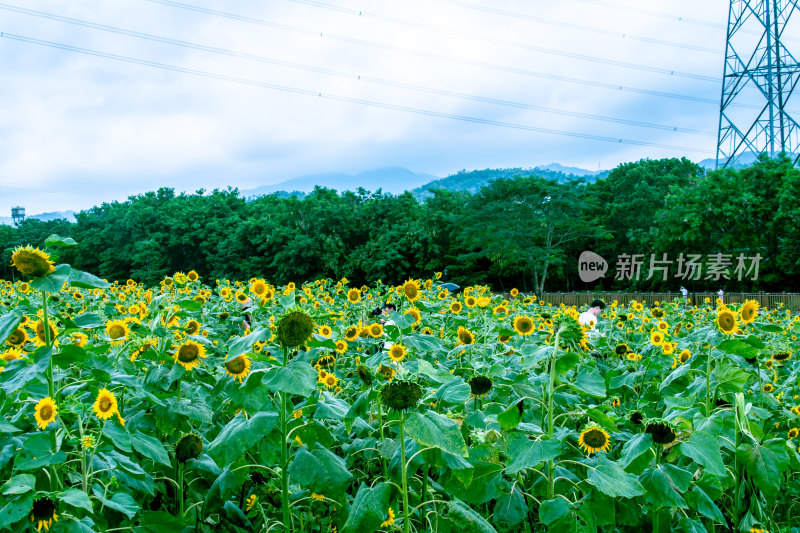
x=759, y=80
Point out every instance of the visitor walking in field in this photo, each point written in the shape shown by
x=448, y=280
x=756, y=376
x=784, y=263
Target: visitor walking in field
x=590, y=317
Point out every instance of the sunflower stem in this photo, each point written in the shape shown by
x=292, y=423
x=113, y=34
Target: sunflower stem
x=404, y=470
x=287, y=516
x=708, y=385
x=380, y=425
x=179, y=475
x=550, y=427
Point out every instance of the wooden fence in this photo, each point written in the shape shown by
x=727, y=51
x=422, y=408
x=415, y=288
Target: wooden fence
x=765, y=299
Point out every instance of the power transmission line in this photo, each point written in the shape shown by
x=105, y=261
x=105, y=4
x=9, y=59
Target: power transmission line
x=373, y=44
x=319, y=94
x=516, y=15
x=331, y=72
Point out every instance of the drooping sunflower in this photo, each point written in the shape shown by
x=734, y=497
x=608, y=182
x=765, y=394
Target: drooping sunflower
x=150, y=343
x=397, y=352
x=351, y=333
x=726, y=321
x=401, y=395
x=117, y=331
x=594, y=439
x=780, y=357
x=295, y=328
x=189, y=446
x=238, y=368
x=661, y=431
x=523, y=325
x=250, y=502
x=43, y=513
x=455, y=307
x=656, y=337
x=364, y=375
x=341, y=346
x=621, y=349
x=465, y=336
x=105, y=406
x=354, y=295
x=46, y=411
x=189, y=354
x=411, y=289
x=389, y=519
x=749, y=311
x=479, y=386
x=32, y=262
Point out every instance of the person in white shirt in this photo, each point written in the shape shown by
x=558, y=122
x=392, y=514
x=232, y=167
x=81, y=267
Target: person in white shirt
x=590, y=317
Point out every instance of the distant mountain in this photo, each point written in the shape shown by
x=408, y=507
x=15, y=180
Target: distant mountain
x=473, y=180
x=394, y=180
x=743, y=161
x=69, y=215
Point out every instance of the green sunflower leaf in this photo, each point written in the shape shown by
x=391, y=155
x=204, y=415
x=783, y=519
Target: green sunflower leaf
x=298, y=378
x=239, y=435
x=77, y=498
x=369, y=509
x=610, y=479
x=526, y=453
x=8, y=324
x=705, y=450
x=433, y=429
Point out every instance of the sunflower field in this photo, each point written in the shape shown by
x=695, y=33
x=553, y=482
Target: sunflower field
x=217, y=405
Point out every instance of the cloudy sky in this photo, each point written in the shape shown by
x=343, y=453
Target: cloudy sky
x=103, y=99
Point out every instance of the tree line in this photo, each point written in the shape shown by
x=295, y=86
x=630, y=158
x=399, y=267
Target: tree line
x=525, y=232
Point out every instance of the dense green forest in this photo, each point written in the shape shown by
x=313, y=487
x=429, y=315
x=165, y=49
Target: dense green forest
x=515, y=231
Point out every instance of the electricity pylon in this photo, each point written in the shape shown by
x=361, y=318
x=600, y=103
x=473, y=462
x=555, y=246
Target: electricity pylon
x=758, y=83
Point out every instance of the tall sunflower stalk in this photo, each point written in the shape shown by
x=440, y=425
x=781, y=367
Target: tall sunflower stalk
x=287, y=516
x=550, y=420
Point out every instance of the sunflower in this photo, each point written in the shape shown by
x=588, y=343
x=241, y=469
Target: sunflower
x=295, y=328
x=341, y=346
x=663, y=326
x=325, y=331
x=241, y=297
x=780, y=357
x=32, y=262
x=364, y=375
x=793, y=433
x=46, y=411
x=189, y=446
x=258, y=288
x=684, y=356
x=375, y=330
x=401, y=395
x=657, y=312
x=470, y=301
x=455, y=307
x=238, y=368
x=411, y=289
x=250, y=502
x=189, y=353
x=18, y=337
x=330, y=381
x=768, y=387
x=105, y=406
x=594, y=439
x=149, y=343
x=397, y=352
x=656, y=337
x=523, y=325
x=465, y=336
x=514, y=293
x=192, y=276
x=354, y=295
x=749, y=311
x=117, y=331
x=479, y=386
x=39, y=339
x=389, y=519
x=622, y=349
x=726, y=322
x=661, y=431
x=9, y=355
x=500, y=310
x=414, y=313
x=351, y=333
x=43, y=513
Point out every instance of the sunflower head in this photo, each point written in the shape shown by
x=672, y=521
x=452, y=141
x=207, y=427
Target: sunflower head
x=479, y=386
x=401, y=395
x=375, y=330
x=190, y=446
x=661, y=431
x=117, y=331
x=414, y=313
x=238, y=367
x=32, y=262
x=397, y=352
x=364, y=375
x=656, y=338
x=43, y=513
x=295, y=328
x=465, y=336
x=105, y=406
x=18, y=337
x=749, y=311
x=621, y=349
x=192, y=327
x=594, y=439
x=411, y=289
x=46, y=411
x=523, y=325
x=351, y=333
x=726, y=321
x=354, y=295
x=189, y=353
x=636, y=418
x=455, y=307
x=780, y=357
x=571, y=332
